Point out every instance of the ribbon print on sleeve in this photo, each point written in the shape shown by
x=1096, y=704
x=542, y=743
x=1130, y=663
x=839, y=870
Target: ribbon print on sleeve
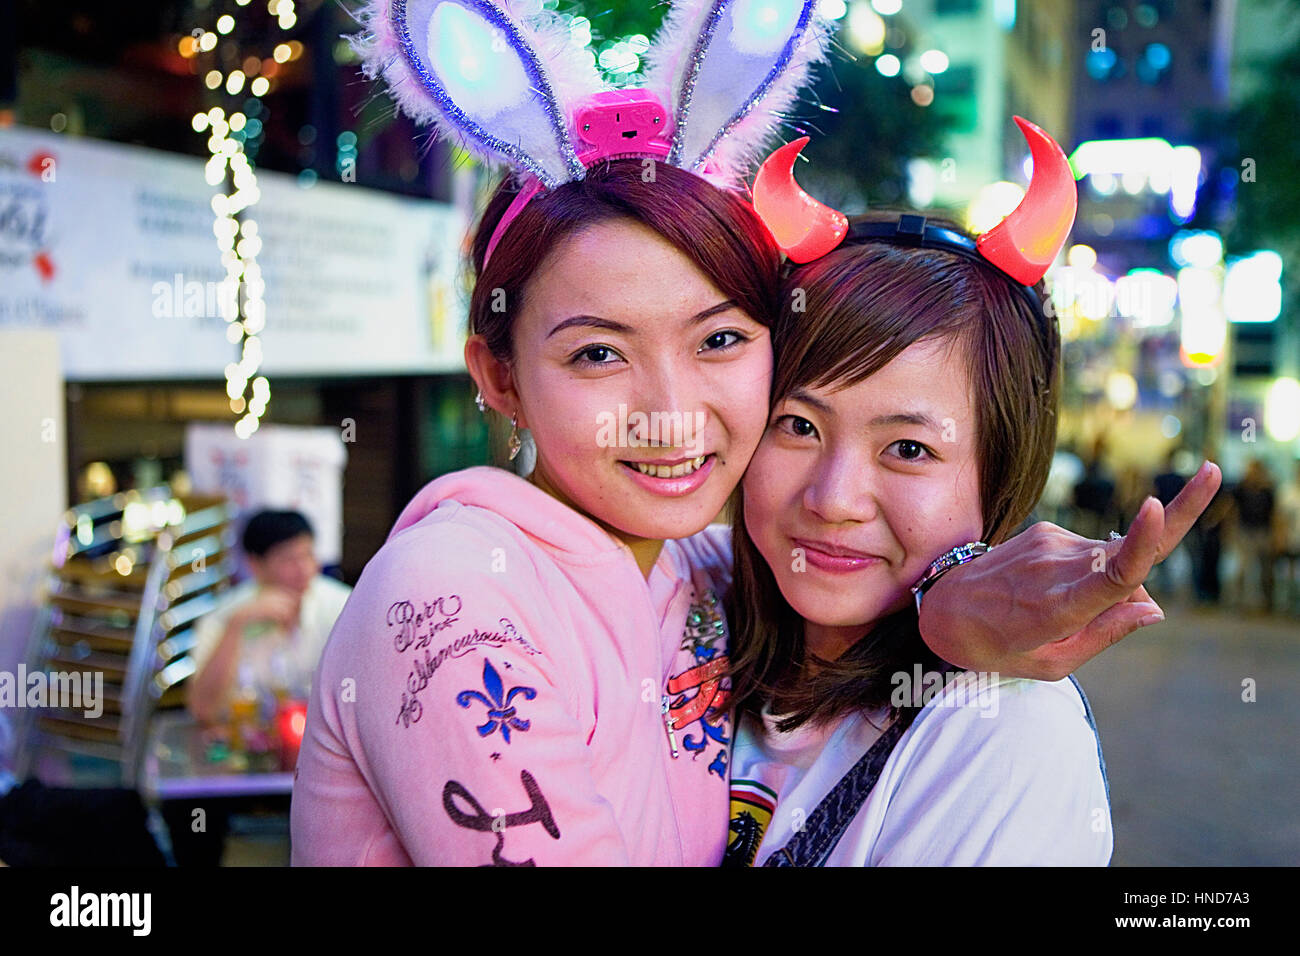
x=705, y=627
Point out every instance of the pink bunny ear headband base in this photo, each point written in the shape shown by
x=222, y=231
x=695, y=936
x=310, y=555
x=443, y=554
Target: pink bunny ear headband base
x=522, y=198
x=616, y=123
x=652, y=147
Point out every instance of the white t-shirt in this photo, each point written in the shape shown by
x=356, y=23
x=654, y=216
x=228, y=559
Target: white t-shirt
x=991, y=773
x=296, y=654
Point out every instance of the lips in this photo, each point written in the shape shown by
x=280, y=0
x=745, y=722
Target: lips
x=670, y=477
x=668, y=467
x=834, y=558
x=834, y=550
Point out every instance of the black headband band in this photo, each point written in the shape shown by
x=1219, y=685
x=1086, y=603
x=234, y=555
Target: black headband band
x=911, y=229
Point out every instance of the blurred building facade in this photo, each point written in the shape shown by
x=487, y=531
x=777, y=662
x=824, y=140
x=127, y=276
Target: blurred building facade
x=978, y=63
x=1173, y=342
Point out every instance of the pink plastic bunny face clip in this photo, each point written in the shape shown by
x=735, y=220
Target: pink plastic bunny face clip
x=615, y=122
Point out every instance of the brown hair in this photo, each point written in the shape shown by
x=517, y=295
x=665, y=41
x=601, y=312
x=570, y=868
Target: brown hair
x=715, y=227
x=861, y=306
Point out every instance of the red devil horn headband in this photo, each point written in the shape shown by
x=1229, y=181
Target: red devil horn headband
x=1023, y=245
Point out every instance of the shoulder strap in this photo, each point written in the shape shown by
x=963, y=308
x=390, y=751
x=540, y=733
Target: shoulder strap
x=1092, y=723
x=826, y=824
x=824, y=827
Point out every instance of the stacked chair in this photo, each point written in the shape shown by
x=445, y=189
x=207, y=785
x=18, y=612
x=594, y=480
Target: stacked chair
x=131, y=575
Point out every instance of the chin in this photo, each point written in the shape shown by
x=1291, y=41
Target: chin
x=643, y=514
x=662, y=524
x=831, y=614
x=836, y=605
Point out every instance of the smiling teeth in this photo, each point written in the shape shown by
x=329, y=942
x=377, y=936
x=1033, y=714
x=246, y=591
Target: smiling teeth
x=670, y=471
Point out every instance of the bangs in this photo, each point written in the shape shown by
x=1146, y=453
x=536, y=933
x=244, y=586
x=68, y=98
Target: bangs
x=863, y=306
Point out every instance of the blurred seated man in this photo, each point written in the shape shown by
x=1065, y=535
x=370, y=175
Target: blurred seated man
x=270, y=630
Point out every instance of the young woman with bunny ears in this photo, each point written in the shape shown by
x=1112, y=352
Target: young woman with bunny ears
x=534, y=671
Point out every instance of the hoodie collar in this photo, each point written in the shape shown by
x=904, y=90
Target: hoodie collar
x=536, y=513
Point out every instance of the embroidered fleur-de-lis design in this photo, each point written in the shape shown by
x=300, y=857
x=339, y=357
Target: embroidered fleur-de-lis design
x=500, y=712
x=719, y=765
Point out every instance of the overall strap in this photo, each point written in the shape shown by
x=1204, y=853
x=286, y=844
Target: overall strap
x=825, y=825
x=1087, y=713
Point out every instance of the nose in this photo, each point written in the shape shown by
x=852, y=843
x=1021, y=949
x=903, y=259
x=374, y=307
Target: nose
x=673, y=412
x=842, y=489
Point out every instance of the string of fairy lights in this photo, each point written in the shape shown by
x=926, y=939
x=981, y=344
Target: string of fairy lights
x=230, y=170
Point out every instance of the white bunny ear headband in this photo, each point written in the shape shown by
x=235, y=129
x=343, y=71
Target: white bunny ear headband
x=506, y=81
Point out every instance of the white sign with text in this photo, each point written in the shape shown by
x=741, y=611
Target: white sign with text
x=112, y=247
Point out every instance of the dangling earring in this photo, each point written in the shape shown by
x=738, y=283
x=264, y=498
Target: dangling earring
x=514, y=442
x=478, y=400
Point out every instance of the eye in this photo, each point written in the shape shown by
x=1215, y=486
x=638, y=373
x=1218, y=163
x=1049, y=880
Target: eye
x=909, y=450
x=794, y=425
x=723, y=339
x=596, y=355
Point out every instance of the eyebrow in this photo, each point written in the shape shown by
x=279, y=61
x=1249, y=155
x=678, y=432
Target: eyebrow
x=906, y=418
x=910, y=417
x=597, y=322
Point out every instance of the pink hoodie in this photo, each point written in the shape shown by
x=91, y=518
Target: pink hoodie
x=493, y=693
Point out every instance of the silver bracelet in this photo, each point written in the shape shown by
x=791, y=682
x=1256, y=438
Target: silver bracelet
x=945, y=563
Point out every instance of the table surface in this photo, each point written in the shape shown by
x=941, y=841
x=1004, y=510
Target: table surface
x=176, y=765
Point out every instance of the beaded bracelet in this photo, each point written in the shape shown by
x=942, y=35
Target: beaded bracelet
x=946, y=562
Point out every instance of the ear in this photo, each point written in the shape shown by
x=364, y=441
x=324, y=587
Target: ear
x=729, y=69
x=498, y=81
x=494, y=378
